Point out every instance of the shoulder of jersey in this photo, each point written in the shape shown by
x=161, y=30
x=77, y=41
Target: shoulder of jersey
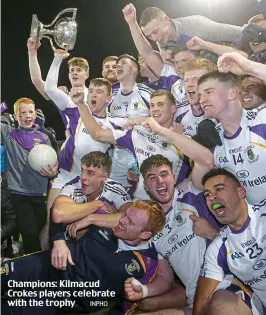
x=114, y=186
x=260, y=206
x=223, y=232
x=73, y=182
x=252, y=114
x=144, y=88
x=115, y=88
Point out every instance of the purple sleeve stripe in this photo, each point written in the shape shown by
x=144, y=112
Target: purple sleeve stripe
x=222, y=259
x=115, y=126
x=146, y=102
x=180, y=117
x=260, y=130
x=182, y=172
x=100, y=211
x=126, y=141
x=73, y=181
x=199, y=202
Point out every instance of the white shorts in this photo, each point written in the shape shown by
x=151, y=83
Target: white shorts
x=63, y=178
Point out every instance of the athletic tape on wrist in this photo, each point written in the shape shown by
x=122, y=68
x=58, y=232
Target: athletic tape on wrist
x=144, y=288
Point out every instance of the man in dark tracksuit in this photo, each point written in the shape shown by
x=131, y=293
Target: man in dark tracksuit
x=101, y=255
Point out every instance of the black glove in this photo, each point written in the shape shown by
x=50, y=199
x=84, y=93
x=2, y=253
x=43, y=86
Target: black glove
x=254, y=33
x=207, y=134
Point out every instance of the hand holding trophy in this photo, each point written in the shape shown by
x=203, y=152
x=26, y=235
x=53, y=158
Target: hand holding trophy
x=64, y=31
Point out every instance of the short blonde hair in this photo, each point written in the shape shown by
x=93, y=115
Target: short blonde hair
x=156, y=219
x=23, y=100
x=109, y=58
x=166, y=93
x=149, y=14
x=199, y=63
x=78, y=62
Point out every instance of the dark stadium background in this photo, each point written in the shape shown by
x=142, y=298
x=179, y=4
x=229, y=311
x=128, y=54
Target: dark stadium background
x=102, y=31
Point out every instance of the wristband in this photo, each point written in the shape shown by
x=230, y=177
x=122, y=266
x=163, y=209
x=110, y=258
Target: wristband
x=144, y=287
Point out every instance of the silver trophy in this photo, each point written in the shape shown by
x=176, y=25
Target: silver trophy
x=64, y=31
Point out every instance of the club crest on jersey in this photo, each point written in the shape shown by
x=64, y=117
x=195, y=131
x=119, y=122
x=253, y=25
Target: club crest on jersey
x=135, y=106
x=36, y=141
x=133, y=266
x=165, y=145
x=251, y=155
x=180, y=220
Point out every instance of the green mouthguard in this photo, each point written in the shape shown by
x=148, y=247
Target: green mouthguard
x=216, y=206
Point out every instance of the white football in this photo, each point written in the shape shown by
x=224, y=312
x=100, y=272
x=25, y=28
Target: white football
x=41, y=156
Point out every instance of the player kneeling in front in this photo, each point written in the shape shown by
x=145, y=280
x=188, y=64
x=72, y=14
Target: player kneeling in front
x=234, y=272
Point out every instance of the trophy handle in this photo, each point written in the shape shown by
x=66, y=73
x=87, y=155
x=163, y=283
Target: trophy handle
x=52, y=44
x=73, y=10
x=51, y=41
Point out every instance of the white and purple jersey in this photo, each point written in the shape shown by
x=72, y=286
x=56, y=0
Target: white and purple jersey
x=189, y=121
x=142, y=144
x=177, y=242
x=80, y=141
x=244, y=153
x=171, y=81
x=241, y=253
x=112, y=193
x=132, y=105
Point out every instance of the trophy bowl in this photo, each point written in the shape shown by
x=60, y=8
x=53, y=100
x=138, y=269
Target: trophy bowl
x=65, y=33
x=64, y=30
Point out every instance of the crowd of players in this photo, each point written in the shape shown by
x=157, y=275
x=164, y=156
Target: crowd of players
x=159, y=191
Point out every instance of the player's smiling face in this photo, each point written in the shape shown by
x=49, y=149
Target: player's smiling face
x=98, y=98
x=214, y=97
x=77, y=76
x=162, y=109
x=159, y=182
x=92, y=180
x=109, y=71
x=26, y=115
x=158, y=30
x=191, y=78
x=252, y=92
x=131, y=226
x=223, y=197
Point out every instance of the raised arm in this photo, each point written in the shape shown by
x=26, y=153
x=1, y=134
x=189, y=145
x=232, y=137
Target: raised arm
x=144, y=48
x=197, y=43
x=239, y=65
x=103, y=220
x=35, y=70
x=94, y=129
x=65, y=210
x=60, y=98
x=201, y=156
